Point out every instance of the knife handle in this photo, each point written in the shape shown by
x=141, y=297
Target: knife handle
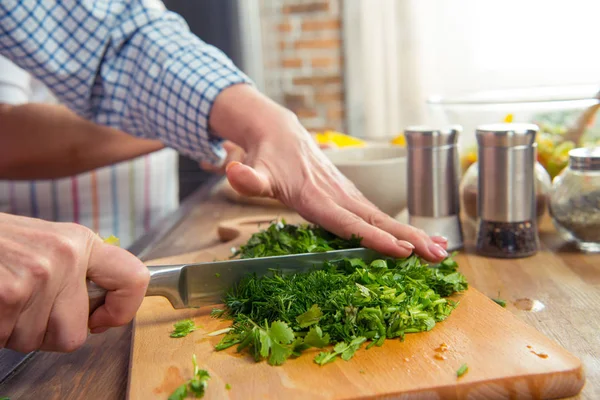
x=96, y=295
x=164, y=281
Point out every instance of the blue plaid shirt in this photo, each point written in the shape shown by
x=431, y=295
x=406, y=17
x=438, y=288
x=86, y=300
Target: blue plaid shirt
x=130, y=64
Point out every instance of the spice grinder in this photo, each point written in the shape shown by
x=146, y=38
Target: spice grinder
x=507, y=226
x=433, y=177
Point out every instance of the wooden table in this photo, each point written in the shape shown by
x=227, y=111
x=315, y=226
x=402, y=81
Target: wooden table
x=560, y=296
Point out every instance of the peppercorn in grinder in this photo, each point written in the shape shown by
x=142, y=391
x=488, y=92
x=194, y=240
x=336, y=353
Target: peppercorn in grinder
x=433, y=177
x=506, y=208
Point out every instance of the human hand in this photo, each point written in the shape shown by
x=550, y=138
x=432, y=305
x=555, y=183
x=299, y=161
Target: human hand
x=43, y=293
x=283, y=162
x=236, y=153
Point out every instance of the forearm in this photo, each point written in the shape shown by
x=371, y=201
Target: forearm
x=43, y=141
x=137, y=67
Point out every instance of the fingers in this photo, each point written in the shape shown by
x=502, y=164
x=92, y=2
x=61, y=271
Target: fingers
x=247, y=181
x=24, y=310
x=425, y=246
x=30, y=328
x=126, y=279
x=12, y=300
x=67, y=329
x=344, y=223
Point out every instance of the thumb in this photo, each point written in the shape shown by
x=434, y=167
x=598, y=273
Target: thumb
x=126, y=279
x=247, y=181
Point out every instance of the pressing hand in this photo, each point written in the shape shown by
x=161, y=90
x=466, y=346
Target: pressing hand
x=282, y=161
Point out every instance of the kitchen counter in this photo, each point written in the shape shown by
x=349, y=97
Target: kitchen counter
x=557, y=291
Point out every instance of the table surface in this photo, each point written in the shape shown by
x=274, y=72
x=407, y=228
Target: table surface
x=557, y=291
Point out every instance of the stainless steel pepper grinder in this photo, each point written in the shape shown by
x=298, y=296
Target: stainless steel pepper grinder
x=433, y=179
x=506, y=205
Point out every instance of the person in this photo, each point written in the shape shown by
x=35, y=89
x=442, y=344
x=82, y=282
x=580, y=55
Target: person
x=78, y=171
x=134, y=66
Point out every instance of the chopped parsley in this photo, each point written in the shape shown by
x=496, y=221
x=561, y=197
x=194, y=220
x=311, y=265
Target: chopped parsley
x=345, y=303
x=183, y=328
x=227, y=386
x=500, y=302
x=195, y=386
x=282, y=239
x=462, y=370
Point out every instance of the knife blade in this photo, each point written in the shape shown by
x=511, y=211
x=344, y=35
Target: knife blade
x=200, y=284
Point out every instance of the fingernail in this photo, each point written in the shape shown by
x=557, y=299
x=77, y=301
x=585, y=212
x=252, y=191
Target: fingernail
x=437, y=250
x=231, y=164
x=98, y=330
x=405, y=245
x=439, y=239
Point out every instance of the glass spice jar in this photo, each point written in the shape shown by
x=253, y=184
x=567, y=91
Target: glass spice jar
x=469, y=192
x=575, y=199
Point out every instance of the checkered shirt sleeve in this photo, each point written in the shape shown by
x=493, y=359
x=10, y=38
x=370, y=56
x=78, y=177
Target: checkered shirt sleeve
x=130, y=64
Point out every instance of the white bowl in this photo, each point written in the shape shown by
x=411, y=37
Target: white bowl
x=378, y=171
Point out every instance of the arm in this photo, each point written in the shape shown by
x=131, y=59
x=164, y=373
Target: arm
x=130, y=64
x=135, y=66
x=44, y=141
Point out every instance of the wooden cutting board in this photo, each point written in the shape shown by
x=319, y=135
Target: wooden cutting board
x=506, y=357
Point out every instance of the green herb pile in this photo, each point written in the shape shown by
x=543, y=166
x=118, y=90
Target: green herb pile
x=345, y=303
x=281, y=239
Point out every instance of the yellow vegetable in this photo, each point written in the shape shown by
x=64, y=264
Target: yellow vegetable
x=112, y=240
x=399, y=140
x=338, y=139
x=509, y=118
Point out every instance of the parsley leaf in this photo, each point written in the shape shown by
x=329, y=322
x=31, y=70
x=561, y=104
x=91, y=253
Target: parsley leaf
x=311, y=317
x=315, y=338
x=195, y=386
x=183, y=328
x=227, y=386
x=274, y=342
x=462, y=370
x=180, y=393
x=346, y=350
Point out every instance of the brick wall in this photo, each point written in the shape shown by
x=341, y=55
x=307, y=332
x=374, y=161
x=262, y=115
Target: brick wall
x=302, y=47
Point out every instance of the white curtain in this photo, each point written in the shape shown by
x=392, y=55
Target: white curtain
x=401, y=52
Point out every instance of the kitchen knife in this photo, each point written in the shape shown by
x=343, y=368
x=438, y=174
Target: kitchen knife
x=201, y=284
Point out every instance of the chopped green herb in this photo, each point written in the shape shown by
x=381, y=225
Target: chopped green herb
x=362, y=371
x=183, y=328
x=227, y=386
x=462, y=370
x=4, y=398
x=345, y=303
x=219, y=332
x=500, y=302
x=346, y=350
x=281, y=239
x=195, y=386
x=218, y=275
x=315, y=338
x=311, y=317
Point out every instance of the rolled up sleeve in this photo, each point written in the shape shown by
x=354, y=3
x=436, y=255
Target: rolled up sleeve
x=131, y=65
